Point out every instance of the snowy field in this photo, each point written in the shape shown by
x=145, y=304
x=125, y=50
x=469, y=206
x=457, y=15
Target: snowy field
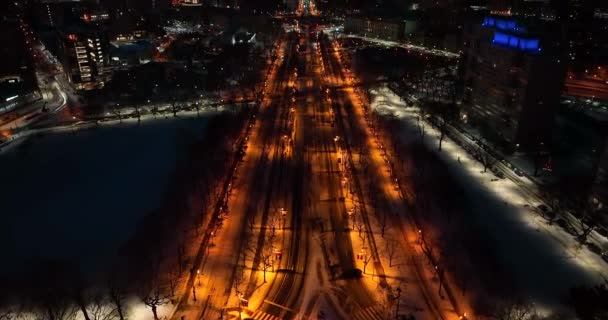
x=78, y=196
x=542, y=259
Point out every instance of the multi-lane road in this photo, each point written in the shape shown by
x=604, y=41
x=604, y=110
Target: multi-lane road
x=286, y=217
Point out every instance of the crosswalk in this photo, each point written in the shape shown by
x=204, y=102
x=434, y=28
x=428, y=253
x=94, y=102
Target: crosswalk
x=261, y=315
x=369, y=313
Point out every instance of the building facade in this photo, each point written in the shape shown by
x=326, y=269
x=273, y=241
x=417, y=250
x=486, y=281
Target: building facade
x=18, y=83
x=83, y=52
x=513, y=82
x=385, y=29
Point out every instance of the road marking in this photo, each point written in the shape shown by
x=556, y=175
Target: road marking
x=280, y=306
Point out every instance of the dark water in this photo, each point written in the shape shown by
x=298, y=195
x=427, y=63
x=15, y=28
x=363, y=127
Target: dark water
x=78, y=197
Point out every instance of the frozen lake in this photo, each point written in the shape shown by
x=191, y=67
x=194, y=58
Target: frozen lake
x=79, y=196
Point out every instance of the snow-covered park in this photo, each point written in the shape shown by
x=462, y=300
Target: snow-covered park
x=543, y=260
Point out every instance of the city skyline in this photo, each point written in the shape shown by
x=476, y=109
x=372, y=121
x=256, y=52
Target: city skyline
x=304, y=159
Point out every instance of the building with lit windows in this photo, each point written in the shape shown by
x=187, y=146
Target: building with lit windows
x=18, y=84
x=513, y=81
x=83, y=53
x=393, y=29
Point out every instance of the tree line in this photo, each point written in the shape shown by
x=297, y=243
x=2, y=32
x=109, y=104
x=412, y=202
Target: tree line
x=149, y=268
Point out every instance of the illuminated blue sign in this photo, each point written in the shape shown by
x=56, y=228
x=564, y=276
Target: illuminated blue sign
x=524, y=44
x=502, y=24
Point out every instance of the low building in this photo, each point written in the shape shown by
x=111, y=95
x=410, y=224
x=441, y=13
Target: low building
x=513, y=82
x=386, y=29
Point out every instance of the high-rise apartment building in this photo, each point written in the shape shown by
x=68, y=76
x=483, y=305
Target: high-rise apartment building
x=513, y=82
x=83, y=54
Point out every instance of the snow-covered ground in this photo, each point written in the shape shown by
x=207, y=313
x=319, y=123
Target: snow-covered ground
x=542, y=259
x=79, y=195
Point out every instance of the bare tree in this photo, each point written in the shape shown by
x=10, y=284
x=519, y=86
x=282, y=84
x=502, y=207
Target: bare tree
x=273, y=222
x=52, y=297
x=154, y=294
x=100, y=308
x=57, y=307
x=366, y=259
x=137, y=108
x=486, y=159
x=266, y=262
x=382, y=220
x=391, y=249
x=81, y=299
x=174, y=107
x=117, y=111
x=117, y=296
x=515, y=310
x=557, y=207
x=591, y=218
x=445, y=114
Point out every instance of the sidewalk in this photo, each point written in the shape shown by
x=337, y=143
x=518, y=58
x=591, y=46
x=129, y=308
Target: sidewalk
x=416, y=267
x=408, y=46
